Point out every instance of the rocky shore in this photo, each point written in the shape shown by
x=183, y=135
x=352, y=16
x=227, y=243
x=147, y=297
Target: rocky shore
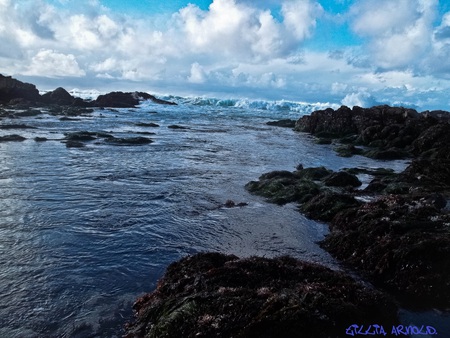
x=217, y=295
x=396, y=231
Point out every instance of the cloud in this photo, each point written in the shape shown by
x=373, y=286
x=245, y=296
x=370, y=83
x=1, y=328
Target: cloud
x=300, y=17
x=198, y=75
x=398, y=31
x=53, y=64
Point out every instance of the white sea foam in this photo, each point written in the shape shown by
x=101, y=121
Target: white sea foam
x=280, y=105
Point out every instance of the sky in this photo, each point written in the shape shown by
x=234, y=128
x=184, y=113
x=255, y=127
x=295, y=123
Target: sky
x=351, y=52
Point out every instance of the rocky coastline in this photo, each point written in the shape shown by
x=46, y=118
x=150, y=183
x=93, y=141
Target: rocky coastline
x=395, y=232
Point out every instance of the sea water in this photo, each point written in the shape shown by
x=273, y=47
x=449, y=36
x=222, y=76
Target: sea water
x=85, y=231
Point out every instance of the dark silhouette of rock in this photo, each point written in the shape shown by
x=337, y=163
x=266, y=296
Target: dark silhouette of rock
x=12, y=138
x=217, y=295
x=129, y=141
x=143, y=124
x=175, y=126
x=389, y=131
x=286, y=123
x=16, y=126
x=125, y=100
x=12, y=89
x=59, y=96
x=342, y=179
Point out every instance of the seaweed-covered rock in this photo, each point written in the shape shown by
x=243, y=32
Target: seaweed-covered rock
x=325, y=205
x=216, y=295
x=401, y=243
x=342, y=179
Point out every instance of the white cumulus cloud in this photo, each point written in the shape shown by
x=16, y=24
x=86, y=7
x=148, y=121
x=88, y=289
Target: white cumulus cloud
x=53, y=64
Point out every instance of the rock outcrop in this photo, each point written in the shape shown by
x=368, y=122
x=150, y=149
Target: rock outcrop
x=125, y=100
x=396, y=231
x=389, y=132
x=14, y=91
x=217, y=295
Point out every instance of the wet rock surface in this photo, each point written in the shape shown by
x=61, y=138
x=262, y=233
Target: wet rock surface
x=388, y=132
x=400, y=238
x=286, y=123
x=217, y=295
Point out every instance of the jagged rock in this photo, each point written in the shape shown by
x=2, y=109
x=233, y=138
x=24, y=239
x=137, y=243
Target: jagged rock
x=217, y=295
x=12, y=89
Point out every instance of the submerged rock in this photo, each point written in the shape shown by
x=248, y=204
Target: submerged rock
x=286, y=123
x=129, y=141
x=217, y=295
x=12, y=138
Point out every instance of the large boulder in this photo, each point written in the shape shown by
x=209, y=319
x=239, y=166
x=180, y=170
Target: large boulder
x=15, y=90
x=217, y=295
x=58, y=96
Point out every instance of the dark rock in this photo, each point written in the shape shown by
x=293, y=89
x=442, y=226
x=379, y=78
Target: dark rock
x=65, y=118
x=387, y=154
x=12, y=138
x=325, y=205
x=175, y=126
x=74, y=144
x=232, y=204
x=215, y=295
x=286, y=123
x=283, y=187
x=342, y=179
x=40, y=139
x=324, y=141
x=59, y=96
x=12, y=89
x=16, y=126
x=401, y=243
x=151, y=124
x=314, y=173
x=81, y=136
x=129, y=141
x=125, y=100
x=348, y=150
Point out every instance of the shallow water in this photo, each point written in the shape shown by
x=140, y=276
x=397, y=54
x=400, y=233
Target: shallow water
x=84, y=231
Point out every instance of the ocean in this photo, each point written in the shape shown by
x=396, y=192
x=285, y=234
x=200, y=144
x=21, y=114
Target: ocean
x=85, y=231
